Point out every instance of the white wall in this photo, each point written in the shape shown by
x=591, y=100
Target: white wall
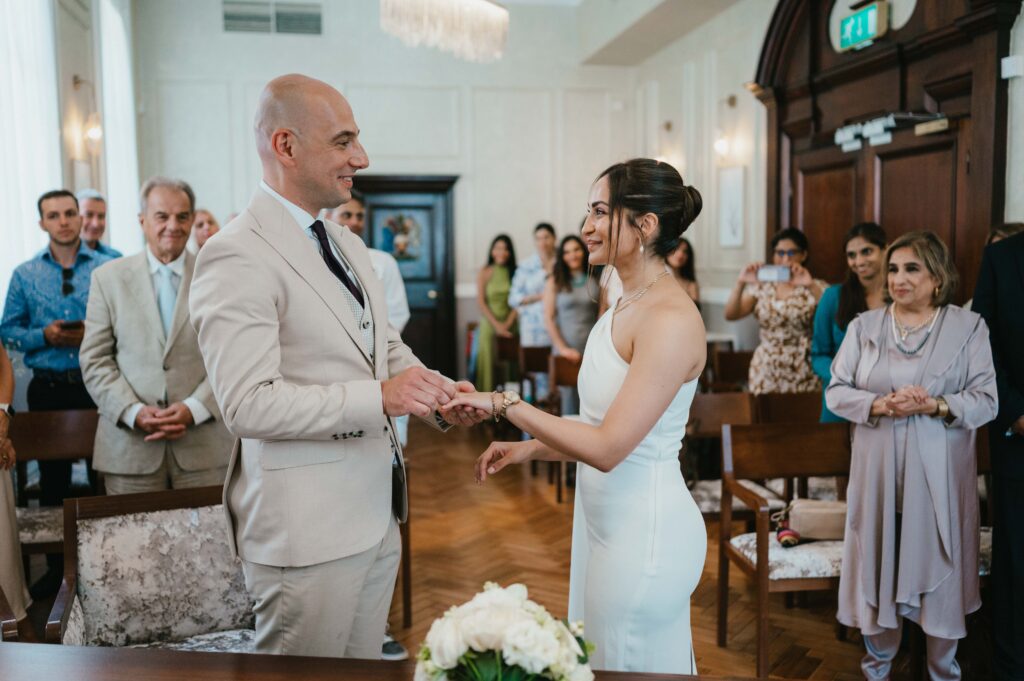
x=525, y=135
x=1015, y=134
x=686, y=84
x=75, y=56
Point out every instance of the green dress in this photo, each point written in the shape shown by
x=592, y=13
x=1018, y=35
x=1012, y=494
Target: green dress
x=496, y=295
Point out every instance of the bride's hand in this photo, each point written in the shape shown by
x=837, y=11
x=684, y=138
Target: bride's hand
x=501, y=454
x=476, y=400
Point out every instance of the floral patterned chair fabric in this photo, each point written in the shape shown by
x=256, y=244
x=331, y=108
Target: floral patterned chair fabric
x=708, y=496
x=159, y=579
x=40, y=525
x=807, y=559
x=985, y=552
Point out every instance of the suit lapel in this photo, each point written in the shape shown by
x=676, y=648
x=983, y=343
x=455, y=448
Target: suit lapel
x=141, y=286
x=180, y=317
x=286, y=237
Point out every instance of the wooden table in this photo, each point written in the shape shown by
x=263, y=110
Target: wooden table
x=36, y=661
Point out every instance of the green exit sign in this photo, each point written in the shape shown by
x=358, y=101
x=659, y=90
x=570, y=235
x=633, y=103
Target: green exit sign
x=862, y=27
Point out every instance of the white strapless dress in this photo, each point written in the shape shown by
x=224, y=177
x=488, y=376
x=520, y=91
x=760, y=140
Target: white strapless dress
x=638, y=539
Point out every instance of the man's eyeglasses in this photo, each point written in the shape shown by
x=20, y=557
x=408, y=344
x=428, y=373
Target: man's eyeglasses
x=67, y=288
x=788, y=252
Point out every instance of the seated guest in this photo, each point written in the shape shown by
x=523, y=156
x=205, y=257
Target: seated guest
x=916, y=380
x=159, y=427
x=784, y=308
x=12, y=574
x=997, y=299
x=94, y=222
x=497, y=317
x=570, y=309
x=205, y=226
x=684, y=269
x=43, y=318
x=863, y=290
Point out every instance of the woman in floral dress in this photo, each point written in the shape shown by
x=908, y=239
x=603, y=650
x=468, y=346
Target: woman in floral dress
x=785, y=312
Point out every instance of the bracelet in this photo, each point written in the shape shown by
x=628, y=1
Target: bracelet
x=494, y=407
x=941, y=408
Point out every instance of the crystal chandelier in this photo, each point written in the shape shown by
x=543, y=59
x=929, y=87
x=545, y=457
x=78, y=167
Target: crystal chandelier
x=474, y=30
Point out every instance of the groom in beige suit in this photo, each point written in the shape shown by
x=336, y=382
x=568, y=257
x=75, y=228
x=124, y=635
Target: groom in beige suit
x=160, y=427
x=293, y=327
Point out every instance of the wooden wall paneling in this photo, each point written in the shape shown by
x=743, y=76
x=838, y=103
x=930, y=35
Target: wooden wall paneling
x=825, y=205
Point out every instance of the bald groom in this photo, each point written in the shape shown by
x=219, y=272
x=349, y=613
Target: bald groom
x=293, y=328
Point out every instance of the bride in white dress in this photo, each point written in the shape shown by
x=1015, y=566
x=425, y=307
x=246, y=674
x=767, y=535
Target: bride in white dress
x=639, y=540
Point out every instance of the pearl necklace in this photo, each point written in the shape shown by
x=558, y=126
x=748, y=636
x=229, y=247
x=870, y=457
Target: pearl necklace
x=639, y=294
x=901, y=335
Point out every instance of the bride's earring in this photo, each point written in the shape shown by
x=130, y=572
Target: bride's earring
x=641, y=249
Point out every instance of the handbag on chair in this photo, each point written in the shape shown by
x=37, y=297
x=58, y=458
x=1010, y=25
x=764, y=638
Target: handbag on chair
x=806, y=519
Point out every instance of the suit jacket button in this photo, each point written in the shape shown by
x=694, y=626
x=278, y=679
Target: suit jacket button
x=167, y=367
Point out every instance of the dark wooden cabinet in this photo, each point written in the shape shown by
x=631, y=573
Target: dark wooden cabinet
x=944, y=60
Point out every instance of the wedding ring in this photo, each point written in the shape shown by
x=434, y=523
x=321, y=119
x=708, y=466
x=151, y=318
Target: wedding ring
x=891, y=412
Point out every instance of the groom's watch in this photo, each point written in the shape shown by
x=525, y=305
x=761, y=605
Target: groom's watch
x=508, y=398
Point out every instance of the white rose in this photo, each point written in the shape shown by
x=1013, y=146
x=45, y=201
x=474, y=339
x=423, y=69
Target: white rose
x=580, y=673
x=493, y=596
x=446, y=642
x=428, y=671
x=531, y=646
x=486, y=629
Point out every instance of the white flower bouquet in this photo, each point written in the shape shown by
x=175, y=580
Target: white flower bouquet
x=501, y=635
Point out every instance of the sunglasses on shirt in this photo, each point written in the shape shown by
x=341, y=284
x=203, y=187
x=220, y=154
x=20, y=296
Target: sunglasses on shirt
x=67, y=288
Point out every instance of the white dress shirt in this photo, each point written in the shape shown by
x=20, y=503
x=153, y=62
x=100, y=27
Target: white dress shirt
x=200, y=413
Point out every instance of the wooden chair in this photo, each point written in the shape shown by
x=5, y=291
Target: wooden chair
x=798, y=408
x=731, y=371
x=763, y=451
x=505, y=357
x=533, y=361
x=8, y=625
x=48, y=436
x=565, y=374
x=157, y=572
x=708, y=413
x=707, y=377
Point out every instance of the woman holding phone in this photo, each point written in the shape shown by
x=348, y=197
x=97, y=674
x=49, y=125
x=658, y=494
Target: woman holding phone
x=782, y=297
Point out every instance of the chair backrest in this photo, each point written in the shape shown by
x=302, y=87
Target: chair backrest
x=53, y=435
x=153, y=566
x=732, y=368
x=710, y=411
x=563, y=372
x=788, y=407
x=778, y=450
x=713, y=348
x=507, y=348
x=534, y=360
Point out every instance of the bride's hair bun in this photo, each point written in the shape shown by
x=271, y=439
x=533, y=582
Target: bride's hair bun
x=643, y=185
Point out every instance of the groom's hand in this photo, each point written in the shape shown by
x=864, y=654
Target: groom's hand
x=465, y=415
x=417, y=391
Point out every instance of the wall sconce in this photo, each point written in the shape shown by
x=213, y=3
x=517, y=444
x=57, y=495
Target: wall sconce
x=93, y=128
x=724, y=143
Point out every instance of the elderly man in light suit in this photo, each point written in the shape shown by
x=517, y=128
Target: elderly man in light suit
x=293, y=327
x=160, y=426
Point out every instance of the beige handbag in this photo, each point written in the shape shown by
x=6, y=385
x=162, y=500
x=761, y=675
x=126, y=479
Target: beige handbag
x=816, y=519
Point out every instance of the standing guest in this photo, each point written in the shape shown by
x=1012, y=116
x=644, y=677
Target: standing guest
x=497, y=317
x=94, y=222
x=309, y=377
x=684, y=269
x=570, y=309
x=44, y=318
x=916, y=380
x=352, y=214
x=159, y=423
x=1004, y=231
x=997, y=299
x=12, y=573
x=863, y=290
x=527, y=296
x=785, y=312
x=205, y=226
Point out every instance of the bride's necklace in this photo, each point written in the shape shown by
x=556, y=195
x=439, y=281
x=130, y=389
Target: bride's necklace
x=900, y=332
x=639, y=294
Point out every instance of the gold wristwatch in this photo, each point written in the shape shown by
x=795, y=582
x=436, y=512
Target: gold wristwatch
x=508, y=398
x=942, y=409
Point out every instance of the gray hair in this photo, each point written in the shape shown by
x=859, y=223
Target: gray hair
x=86, y=194
x=169, y=183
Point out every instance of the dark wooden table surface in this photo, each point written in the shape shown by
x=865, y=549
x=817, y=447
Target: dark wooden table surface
x=39, y=662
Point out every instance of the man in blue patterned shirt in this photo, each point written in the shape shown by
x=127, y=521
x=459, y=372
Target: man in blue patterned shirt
x=44, y=318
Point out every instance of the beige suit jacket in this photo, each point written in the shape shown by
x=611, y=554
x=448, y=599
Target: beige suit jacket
x=310, y=480
x=126, y=359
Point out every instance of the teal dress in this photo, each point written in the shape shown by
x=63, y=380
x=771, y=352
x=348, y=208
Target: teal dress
x=825, y=344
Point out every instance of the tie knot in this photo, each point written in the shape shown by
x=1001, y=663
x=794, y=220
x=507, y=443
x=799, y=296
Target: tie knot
x=318, y=229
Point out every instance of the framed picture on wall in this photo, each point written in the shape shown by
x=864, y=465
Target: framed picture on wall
x=731, y=200
x=401, y=232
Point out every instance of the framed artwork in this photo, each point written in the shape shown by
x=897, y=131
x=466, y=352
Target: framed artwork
x=401, y=231
x=731, y=200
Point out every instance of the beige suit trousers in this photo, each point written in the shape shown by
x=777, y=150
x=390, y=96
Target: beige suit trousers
x=333, y=609
x=169, y=476
x=12, y=575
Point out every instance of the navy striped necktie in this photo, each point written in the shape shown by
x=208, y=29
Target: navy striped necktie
x=332, y=263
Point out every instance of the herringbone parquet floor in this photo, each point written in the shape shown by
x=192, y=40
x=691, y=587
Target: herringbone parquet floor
x=512, y=530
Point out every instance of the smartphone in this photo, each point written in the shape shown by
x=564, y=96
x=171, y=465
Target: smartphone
x=72, y=325
x=773, y=273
